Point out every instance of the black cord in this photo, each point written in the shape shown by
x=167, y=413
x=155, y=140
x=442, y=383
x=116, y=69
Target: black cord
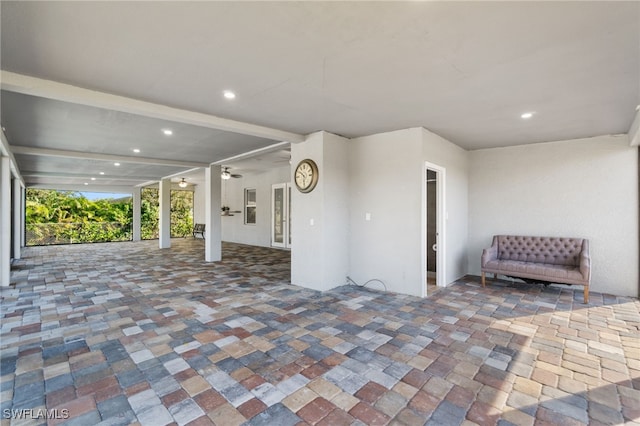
x=352, y=282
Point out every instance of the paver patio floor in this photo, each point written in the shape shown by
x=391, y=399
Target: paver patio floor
x=126, y=333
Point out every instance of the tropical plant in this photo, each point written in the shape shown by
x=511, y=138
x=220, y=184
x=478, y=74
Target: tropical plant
x=54, y=217
x=59, y=217
x=181, y=213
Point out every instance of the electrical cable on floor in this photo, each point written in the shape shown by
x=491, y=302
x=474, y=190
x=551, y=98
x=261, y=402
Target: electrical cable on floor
x=352, y=282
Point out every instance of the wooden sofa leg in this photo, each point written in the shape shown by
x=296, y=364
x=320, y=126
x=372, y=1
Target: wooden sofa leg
x=483, y=279
x=586, y=294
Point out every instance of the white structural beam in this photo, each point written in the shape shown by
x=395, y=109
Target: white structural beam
x=164, y=225
x=18, y=216
x=260, y=151
x=33, y=86
x=25, y=150
x=5, y=221
x=137, y=213
x=183, y=173
x=6, y=151
x=114, y=189
x=213, y=224
x=65, y=175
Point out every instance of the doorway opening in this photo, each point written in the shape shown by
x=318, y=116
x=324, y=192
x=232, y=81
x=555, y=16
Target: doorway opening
x=280, y=215
x=432, y=245
x=434, y=215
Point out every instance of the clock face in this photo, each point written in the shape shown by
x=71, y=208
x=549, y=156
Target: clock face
x=306, y=175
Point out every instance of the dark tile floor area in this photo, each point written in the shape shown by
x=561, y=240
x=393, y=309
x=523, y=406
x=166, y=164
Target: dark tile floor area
x=126, y=333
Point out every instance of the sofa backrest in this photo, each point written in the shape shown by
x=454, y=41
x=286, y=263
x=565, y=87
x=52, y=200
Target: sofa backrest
x=553, y=250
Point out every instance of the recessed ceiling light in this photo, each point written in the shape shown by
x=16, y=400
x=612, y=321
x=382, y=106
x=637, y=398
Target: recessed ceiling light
x=136, y=150
x=229, y=94
x=527, y=115
x=167, y=132
x=101, y=173
x=116, y=164
x=86, y=183
x=93, y=178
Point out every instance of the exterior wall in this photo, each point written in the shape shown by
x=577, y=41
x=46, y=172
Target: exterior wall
x=198, y=203
x=455, y=160
x=579, y=188
x=320, y=256
x=385, y=173
x=584, y=188
x=386, y=182
x=233, y=227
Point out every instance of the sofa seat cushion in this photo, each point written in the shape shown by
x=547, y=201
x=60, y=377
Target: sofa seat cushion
x=542, y=271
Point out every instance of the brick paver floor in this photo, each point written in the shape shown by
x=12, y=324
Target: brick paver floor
x=126, y=333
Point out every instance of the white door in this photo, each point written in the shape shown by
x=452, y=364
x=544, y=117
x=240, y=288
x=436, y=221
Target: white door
x=280, y=215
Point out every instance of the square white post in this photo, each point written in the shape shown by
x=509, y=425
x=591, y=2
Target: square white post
x=23, y=217
x=137, y=207
x=165, y=213
x=17, y=218
x=213, y=231
x=5, y=222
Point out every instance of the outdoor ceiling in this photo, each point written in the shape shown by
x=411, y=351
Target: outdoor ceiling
x=464, y=70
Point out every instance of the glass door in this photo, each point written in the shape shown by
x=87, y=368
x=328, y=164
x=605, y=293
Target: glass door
x=280, y=207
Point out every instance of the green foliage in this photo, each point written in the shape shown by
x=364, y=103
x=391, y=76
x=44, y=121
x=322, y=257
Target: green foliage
x=181, y=213
x=54, y=217
x=149, y=213
x=58, y=217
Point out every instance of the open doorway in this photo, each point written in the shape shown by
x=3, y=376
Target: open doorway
x=433, y=229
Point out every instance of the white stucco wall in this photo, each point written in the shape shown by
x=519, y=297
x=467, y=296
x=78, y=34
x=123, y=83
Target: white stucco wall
x=198, y=203
x=307, y=226
x=385, y=174
x=580, y=188
x=336, y=205
x=386, y=181
x=455, y=160
x=233, y=227
x=319, y=219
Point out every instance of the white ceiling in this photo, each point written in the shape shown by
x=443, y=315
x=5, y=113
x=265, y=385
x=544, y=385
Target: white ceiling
x=464, y=70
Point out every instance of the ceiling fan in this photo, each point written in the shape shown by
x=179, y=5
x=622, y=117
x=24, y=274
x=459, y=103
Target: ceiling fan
x=226, y=174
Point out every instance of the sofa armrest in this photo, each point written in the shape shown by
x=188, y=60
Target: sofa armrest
x=490, y=253
x=585, y=261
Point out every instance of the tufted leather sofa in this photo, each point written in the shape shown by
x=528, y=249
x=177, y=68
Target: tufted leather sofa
x=544, y=259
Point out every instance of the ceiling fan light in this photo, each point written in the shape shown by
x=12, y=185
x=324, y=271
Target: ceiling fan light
x=183, y=183
x=225, y=175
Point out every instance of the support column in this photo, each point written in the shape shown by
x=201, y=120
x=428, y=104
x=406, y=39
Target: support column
x=137, y=207
x=23, y=217
x=213, y=231
x=165, y=213
x=5, y=222
x=18, y=208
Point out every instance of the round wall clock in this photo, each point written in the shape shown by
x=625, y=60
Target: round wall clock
x=306, y=175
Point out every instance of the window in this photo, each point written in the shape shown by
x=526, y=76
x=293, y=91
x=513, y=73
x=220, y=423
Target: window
x=249, y=206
